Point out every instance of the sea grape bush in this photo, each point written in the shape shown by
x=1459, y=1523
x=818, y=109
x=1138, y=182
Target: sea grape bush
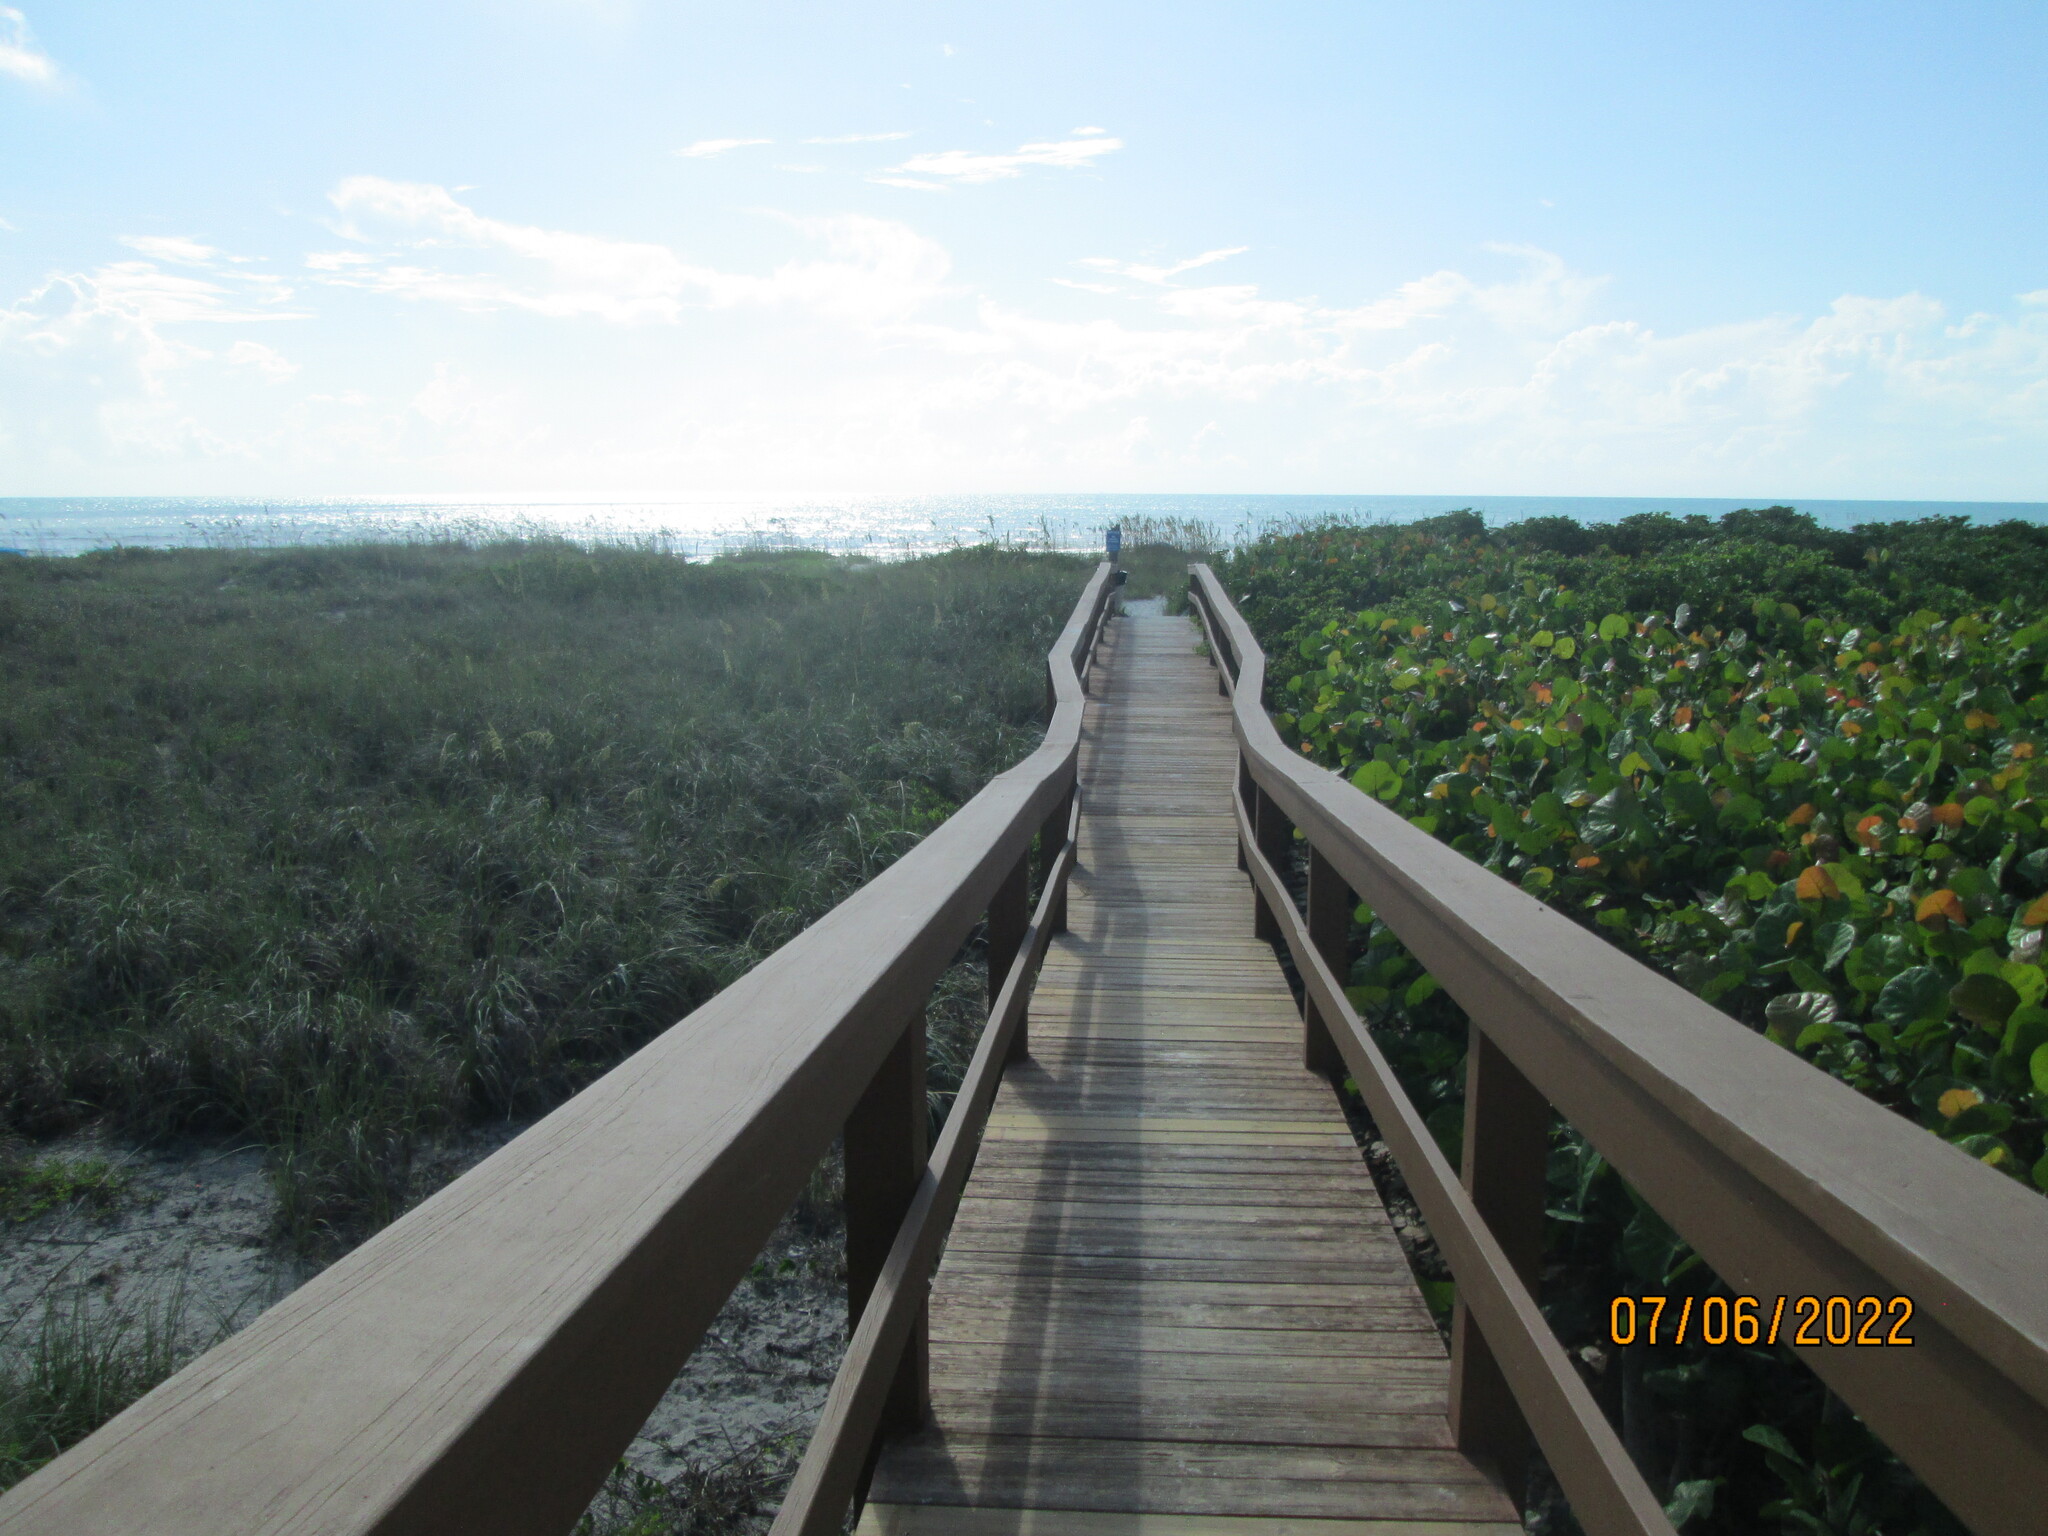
x=1797, y=770
x=1834, y=833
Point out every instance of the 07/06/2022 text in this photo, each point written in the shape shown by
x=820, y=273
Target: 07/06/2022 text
x=1804, y=1320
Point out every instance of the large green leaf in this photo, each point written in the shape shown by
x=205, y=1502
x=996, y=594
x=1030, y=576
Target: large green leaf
x=1834, y=941
x=1616, y=819
x=1654, y=1253
x=1786, y=1018
x=1920, y=992
x=1985, y=1000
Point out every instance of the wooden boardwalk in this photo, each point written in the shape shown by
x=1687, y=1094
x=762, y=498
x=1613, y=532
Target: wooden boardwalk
x=1172, y=1304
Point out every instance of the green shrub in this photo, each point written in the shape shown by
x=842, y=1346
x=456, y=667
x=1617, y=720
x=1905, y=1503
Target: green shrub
x=1755, y=756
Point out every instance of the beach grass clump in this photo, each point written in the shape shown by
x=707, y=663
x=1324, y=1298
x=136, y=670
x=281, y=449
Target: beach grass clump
x=342, y=848
x=81, y=1361
x=1156, y=554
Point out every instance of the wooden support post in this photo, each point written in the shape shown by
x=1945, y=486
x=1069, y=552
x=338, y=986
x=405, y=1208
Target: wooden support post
x=1009, y=914
x=1248, y=796
x=1329, y=930
x=886, y=1151
x=1507, y=1150
x=1052, y=837
x=1276, y=842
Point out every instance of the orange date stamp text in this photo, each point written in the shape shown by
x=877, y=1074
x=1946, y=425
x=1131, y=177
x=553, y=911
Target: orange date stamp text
x=1798, y=1320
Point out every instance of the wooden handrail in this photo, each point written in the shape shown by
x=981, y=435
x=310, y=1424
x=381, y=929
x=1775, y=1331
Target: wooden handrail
x=480, y=1365
x=1785, y=1180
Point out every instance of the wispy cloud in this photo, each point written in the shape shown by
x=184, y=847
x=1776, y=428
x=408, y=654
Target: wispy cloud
x=861, y=138
x=966, y=165
x=189, y=253
x=569, y=274
x=267, y=361
x=139, y=291
x=704, y=149
x=1155, y=274
x=874, y=272
x=19, y=55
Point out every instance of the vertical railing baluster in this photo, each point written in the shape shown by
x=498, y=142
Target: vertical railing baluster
x=1329, y=930
x=1052, y=837
x=1507, y=1150
x=886, y=1150
x=1248, y=797
x=1009, y=914
x=1276, y=841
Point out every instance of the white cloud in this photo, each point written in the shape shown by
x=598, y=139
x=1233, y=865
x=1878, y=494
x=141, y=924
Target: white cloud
x=19, y=55
x=1152, y=274
x=862, y=357
x=908, y=183
x=703, y=149
x=273, y=365
x=138, y=293
x=569, y=274
x=338, y=261
x=874, y=272
x=861, y=138
x=965, y=165
x=172, y=248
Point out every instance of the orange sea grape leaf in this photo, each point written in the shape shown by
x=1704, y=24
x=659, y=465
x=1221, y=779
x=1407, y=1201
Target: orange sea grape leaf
x=1940, y=905
x=1956, y=1100
x=1816, y=884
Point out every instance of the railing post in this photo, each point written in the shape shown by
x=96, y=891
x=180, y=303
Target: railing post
x=1507, y=1149
x=1329, y=930
x=1052, y=837
x=1248, y=797
x=886, y=1151
x=1276, y=841
x=1009, y=914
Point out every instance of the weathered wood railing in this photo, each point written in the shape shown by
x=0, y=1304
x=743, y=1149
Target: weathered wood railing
x=1786, y=1181
x=480, y=1365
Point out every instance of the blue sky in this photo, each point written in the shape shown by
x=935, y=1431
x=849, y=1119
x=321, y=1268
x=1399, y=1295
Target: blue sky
x=626, y=248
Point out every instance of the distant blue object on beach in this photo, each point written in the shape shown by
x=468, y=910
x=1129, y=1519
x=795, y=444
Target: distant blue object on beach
x=13, y=552
x=1114, y=541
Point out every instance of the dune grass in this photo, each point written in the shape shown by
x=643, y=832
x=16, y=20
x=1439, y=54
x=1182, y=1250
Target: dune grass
x=80, y=1361
x=341, y=848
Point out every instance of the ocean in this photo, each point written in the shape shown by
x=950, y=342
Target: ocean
x=876, y=525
